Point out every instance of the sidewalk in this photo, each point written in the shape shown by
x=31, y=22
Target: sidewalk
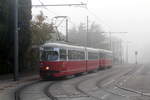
x=8, y=86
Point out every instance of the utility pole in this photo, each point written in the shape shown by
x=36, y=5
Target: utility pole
x=110, y=40
x=87, y=31
x=136, y=53
x=66, y=29
x=120, y=51
x=16, y=44
x=127, y=53
x=110, y=35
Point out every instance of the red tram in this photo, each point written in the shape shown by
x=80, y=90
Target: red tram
x=58, y=60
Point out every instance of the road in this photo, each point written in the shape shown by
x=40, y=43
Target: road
x=121, y=82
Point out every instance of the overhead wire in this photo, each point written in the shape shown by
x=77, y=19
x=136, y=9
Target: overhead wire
x=98, y=18
x=47, y=8
x=56, y=13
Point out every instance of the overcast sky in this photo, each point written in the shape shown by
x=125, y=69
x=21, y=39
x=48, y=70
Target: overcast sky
x=132, y=16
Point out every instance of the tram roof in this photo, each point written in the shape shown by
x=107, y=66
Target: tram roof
x=63, y=46
x=107, y=51
x=73, y=47
x=92, y=49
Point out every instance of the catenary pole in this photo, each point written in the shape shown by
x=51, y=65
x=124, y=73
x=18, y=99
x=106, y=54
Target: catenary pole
x=66, y=29
x=86, y=44
x=16, y=44
x=87, y=30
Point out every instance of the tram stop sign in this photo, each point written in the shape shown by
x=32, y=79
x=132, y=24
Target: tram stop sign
x=136, y=52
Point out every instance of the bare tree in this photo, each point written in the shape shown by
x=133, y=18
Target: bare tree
x=94, y=39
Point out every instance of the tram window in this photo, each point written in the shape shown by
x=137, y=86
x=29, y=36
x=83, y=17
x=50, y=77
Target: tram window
x=71, y=54
x=92, y=56
x=81, y=55
x=49, y=56
x=110, y=56
x=63, y=55
x=101, y=55
x=76, y=55
x=105, y=56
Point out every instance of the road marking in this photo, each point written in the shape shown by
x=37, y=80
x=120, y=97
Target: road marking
x=104, y=96
x=129, y=77
x=115, y=87
x=109, y=82
x=120, y=83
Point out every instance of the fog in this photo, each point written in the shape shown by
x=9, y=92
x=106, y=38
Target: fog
x=131, y=16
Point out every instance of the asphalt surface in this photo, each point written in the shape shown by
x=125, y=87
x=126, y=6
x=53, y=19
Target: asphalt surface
x=121, y=82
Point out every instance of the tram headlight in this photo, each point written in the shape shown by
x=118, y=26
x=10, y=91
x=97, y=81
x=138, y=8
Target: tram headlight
x=47, y=67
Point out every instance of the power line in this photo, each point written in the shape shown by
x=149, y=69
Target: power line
x=48, y=5
x=47, y=8
x=99, y=19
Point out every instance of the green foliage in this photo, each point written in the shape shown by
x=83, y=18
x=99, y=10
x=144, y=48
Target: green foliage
x=41, y=30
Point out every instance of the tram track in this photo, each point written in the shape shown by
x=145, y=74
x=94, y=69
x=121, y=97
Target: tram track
x=76, y=86
x=79, y=79
x=82, y=91
x=89, y=78
x=48, y=93
x=120, y=79
x=129, y=89
x=119, y=75
x=18, y=91
x=86, y=94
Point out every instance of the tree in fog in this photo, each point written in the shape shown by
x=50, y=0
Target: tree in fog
x=42, y=31
x=95, y=37
x=77, y=35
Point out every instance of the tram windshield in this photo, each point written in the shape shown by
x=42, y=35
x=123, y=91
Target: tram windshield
x=49, y=56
